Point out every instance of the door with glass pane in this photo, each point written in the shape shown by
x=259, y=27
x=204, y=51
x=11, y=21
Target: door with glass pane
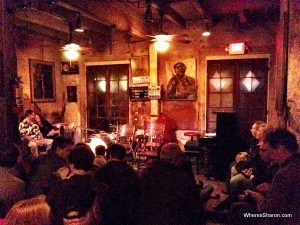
x=239, y=86
x=107, y=96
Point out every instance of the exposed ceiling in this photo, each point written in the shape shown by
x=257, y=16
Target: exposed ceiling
x=135, y=17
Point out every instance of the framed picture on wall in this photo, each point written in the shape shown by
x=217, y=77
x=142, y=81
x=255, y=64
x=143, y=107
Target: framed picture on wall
x=181, y=80
x=42, y=81
x=140, y=69
x=69, y=68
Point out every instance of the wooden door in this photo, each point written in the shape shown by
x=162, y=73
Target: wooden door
x=237, y=86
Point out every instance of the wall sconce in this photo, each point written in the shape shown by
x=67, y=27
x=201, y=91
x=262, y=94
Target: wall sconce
x=162, y=43
x=206, y=32
x=78, y=26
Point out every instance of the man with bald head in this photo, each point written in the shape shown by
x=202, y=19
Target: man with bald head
x=169, y=195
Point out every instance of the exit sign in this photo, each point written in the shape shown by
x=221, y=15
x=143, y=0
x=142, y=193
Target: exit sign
x=237, y=48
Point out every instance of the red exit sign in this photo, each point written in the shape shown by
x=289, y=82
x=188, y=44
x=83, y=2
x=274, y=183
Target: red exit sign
x=237, y=48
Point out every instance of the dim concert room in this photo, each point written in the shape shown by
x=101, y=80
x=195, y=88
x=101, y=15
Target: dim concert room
x=149, y=112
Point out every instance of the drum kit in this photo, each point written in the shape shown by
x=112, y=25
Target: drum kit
x=135, y=140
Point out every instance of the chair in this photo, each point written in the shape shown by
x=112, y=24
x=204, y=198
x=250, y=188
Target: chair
x=154, y=132
x=192, y=149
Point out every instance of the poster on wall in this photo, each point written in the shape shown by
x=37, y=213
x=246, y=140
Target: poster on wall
x=140, y=69
x=42, y=81
x=181, y=80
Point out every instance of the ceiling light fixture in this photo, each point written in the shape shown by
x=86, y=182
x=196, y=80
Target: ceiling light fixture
x=162, y=42
x=71, y=50
x=78, y=27
x=207, y=32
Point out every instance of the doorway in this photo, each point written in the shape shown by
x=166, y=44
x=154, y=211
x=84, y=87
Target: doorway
x=107, y=96
x=238, y=86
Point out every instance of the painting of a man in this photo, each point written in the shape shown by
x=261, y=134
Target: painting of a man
x=181, y=86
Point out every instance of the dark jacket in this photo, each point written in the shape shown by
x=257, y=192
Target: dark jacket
x=169, y=196
x=119, y=193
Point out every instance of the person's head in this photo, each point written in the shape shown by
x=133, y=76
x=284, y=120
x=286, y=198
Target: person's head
x=34, y=211
x=81, y=158
x=62, y=146
x=117, y=152
x=171, y=153
x=261, y=130
x=180, y=69
x=30, y=115
x=281, y=143
x=100, y=150
x=255, y=127
x=9, y=156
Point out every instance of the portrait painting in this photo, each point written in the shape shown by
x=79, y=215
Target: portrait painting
x=181, y=80
x=42, y=81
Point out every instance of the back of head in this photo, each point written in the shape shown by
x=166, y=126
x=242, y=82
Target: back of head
x=82, y=157
x=100, y=150
x=282, y=137
x=61, y=142
x=34, y=211
x=9, y=155
x=170, y=152
x=117, y=151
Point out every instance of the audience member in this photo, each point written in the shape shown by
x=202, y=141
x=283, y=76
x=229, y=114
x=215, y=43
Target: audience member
x=73, y=197
x=284, y=193
x=34, y=211
x=250, y=172
x=100, y=155
x=42, y=169
x=169, y=195
x=118, y=189
x=46, y=128
x=30, y=132
x=12, y=189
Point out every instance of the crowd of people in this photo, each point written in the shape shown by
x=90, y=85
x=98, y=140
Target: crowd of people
x=68, y=184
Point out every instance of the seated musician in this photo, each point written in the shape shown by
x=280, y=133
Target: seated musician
x=46, y=127
x=30, y=132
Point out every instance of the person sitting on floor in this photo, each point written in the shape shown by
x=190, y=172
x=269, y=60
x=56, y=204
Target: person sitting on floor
x=118, y=189
x=73, y=197
x=283, y=197
x=30, y=132
x=43, y=168
x=169, y=195
x=12, y=189
x=251, y=172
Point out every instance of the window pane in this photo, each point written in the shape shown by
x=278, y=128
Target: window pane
x=214, y=85
x=92, y=111
x=91, y=87
x=123, y=86
x=123, y=76
x=114, y=111
x=101, y=76
x=226, y=85
x=227, y=100
x=214, y=100
x=114, y=99
x=101, y=111
x=101, y=99
x=123, y=99
x=113, y=86
x=102, y=86
x=123, y=111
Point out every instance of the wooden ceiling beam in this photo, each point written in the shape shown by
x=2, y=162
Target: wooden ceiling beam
x=170, y=13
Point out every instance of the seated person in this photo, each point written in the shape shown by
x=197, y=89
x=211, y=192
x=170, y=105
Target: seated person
x=30, y=132
x=170, y=127
x=46, y=128
x=12, y=189
x=100, y=155
x=43, y=168
x=73, y=197
x=34, y=211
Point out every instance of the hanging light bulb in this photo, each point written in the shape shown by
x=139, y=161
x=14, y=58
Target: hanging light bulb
x=71, y=51
x=162, y=42
x=206, y=32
